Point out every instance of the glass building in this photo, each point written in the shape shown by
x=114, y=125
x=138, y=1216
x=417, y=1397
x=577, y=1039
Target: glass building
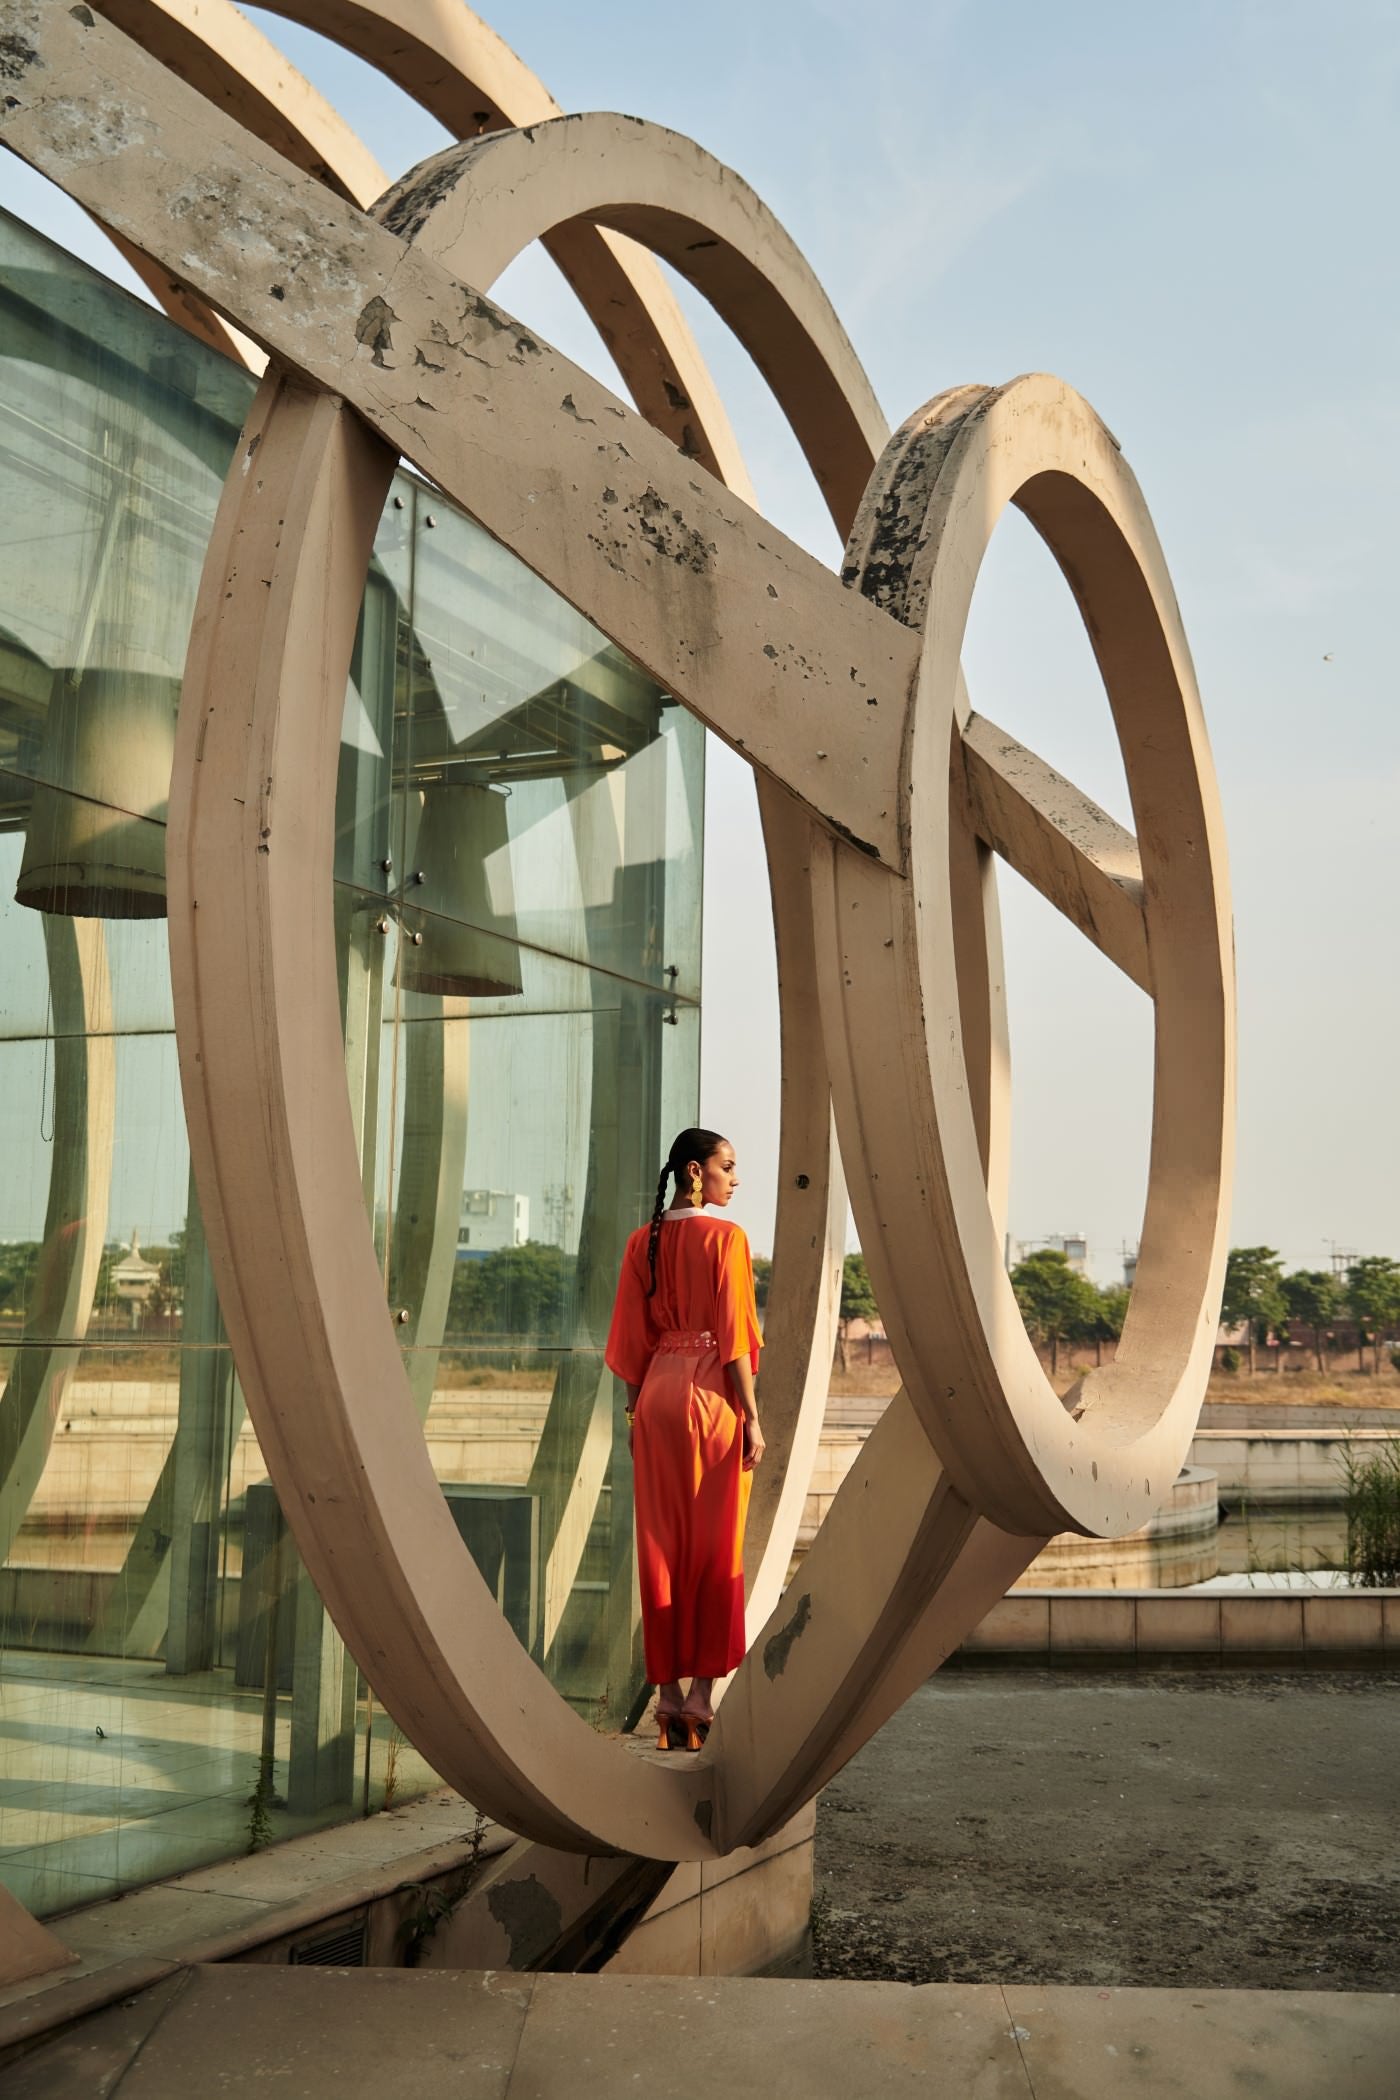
x=517, y=892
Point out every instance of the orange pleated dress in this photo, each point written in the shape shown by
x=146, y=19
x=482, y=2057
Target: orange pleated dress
x=690, y=1490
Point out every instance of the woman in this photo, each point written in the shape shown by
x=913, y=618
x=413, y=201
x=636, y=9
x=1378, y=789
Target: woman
x=685, y=1342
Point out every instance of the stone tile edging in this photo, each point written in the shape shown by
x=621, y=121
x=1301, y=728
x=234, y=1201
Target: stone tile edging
x=1308, y=1625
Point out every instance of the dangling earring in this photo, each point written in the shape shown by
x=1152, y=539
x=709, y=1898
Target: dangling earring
x=697, y=1189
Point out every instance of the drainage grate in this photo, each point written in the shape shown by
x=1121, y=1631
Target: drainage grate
x=343, y=1947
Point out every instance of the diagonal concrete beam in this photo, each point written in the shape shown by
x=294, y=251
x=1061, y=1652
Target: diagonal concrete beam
x=807, y=680
x=1063, y=844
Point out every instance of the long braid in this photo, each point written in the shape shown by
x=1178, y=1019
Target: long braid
x=688, y=1144
x=656, y=1226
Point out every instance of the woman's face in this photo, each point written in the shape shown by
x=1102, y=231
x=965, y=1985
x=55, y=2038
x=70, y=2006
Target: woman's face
x=719, y=1175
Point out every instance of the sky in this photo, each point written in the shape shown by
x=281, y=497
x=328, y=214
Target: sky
x=1187, y=213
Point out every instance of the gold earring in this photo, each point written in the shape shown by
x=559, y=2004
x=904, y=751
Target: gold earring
x=697, y=1188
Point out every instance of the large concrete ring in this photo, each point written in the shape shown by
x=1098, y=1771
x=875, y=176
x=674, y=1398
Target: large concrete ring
x=314, y=576
x=765, y=1763
x=509, y=189
x=1030, y=1462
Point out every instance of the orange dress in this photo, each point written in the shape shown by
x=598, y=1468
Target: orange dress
x=690, y=1490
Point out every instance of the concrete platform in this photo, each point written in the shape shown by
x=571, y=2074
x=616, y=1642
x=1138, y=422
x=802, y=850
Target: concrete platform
x=493, y=2036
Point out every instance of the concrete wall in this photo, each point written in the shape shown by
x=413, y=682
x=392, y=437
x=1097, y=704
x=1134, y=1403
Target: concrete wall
x=1294, y=1466
x=738, y=1916
x=114, y=1434
x=1304, y=1625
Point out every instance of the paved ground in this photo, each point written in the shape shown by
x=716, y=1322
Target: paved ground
x=1190, y=1829
x=348, y=2034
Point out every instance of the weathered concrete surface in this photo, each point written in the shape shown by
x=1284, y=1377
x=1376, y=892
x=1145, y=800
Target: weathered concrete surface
x=639, y=537
x=493, y=2037
x=1192, y=1830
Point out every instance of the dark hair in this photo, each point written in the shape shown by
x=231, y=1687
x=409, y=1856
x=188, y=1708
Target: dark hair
x=689, y=1144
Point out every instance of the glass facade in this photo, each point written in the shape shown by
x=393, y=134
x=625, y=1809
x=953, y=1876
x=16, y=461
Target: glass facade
x=517, y=884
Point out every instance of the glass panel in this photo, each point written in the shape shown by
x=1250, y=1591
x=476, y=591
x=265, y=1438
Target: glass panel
x=521, y=1033
x=527, y=1152
x=115, y=435
x=134, y=953
x=552, y=792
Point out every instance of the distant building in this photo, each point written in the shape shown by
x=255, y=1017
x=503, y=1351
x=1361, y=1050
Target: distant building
x=1073, y=1246
x=134, y=1278
x=491, y=1219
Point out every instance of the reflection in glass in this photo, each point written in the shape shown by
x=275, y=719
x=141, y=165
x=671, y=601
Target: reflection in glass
x=462, y=942
x=517, y=883
x=546, y=931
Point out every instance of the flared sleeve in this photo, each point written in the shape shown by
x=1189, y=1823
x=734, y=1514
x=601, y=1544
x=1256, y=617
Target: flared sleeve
x=631, y=1337
x=736, y=1308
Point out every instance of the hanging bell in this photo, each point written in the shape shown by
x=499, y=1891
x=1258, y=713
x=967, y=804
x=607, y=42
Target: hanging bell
x=95, y=845
x=90, y=849
x=463, y=943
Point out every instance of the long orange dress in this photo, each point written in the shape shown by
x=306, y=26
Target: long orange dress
x=690, y=1490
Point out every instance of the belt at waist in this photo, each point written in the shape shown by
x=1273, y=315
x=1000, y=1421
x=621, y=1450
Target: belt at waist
x=685, y=1341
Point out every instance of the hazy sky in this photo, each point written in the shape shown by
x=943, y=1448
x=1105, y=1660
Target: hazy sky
x=1186, y=212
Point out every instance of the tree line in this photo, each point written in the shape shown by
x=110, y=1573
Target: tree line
x=531, y=1291
x=1262, y=1299
x=1064, y=1309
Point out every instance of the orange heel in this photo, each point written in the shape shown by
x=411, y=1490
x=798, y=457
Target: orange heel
x=668, y=1731
x=695, y=1732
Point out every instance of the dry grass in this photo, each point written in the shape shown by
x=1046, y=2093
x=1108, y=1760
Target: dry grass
x=1341, y=1389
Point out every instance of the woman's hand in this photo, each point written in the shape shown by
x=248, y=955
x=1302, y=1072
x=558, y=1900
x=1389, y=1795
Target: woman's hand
x=754, y=1446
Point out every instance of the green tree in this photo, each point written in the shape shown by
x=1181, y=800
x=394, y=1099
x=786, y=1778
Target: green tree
x=174, y=1262
x=1313, y=1297
x=1110, y=1313
x=1373, y=1292
x=1057, y=1303
x=166, y=1302
x=1253, y=1292
x=524, y=1292
x=762, y=1278
x=857, y=1301
x=18, y=1259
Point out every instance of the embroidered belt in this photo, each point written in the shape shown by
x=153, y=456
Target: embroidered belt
x=680, y=1342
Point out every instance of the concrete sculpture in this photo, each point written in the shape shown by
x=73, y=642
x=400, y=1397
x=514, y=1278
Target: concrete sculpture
x=884, y=797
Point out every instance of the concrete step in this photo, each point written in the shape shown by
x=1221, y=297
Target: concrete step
x=363, y=2034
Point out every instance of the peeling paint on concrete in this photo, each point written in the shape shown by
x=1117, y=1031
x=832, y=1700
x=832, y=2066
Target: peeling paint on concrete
x=777, y=1650
x=666, y=531
x=17, y=56
x=374, y=328
x=529, y=1915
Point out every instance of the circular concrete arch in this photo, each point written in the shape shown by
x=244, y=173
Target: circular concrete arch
x=463, y=73
x=452, y=65
x=478, y=205
x=209, y=44
x=1102, y=1460
x=318, y=490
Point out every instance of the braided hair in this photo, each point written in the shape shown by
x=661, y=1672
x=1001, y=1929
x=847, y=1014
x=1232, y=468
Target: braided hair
x=690, y=1144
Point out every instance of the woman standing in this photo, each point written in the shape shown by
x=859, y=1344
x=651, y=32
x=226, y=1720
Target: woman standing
x=685, y=1342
